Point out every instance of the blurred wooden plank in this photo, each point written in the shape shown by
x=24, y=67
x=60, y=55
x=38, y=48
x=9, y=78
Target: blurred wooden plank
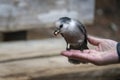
x=56, y=68
x=33, y=48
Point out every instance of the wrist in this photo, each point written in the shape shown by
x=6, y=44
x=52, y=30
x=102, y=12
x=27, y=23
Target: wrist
x=118, y=50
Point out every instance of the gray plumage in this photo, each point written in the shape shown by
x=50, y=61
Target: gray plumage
x=74, y=34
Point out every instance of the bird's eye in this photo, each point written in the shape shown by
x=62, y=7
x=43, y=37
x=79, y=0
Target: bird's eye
x=61, y=26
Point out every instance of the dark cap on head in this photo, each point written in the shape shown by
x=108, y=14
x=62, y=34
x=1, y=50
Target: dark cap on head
x=65, y=19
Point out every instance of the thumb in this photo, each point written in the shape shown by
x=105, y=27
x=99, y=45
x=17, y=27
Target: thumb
x=94, y=40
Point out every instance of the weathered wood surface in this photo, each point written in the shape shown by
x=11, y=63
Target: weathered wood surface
x=56, y=68
x=41, y=60
x=31, y=48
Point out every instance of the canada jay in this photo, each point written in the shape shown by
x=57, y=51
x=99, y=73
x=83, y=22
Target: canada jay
x=74, y=34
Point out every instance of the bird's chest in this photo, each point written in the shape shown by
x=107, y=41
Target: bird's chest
x=73, y=38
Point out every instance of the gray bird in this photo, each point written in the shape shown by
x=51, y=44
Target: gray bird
x=74, y=34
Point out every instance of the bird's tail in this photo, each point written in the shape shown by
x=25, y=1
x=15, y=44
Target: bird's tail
x=83, y=46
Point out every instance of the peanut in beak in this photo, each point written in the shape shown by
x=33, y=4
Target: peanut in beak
x=56, y=32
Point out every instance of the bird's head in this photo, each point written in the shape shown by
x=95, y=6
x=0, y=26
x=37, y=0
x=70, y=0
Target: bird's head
x=63, y=24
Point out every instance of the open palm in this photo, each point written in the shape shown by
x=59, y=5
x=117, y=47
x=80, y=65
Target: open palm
x=104, y=53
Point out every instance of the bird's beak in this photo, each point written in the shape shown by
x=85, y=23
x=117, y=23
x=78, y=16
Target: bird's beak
x=56, y=32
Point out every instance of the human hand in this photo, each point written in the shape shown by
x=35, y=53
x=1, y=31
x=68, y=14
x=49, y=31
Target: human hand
x=104, y=53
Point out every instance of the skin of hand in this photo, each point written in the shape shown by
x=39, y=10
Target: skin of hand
x=105, y=52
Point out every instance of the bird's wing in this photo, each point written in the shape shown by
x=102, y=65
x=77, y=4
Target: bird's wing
x=83, y=30
x=81, y=27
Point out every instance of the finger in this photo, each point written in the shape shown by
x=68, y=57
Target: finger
x=86, y=51
x=70, y=52
x=80, y=56
x=66, y=53
x=89, y=51
x=76, y=54
x=94, y=40
x=70, y=55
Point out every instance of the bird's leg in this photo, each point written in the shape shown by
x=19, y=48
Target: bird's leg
x=68, y=47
